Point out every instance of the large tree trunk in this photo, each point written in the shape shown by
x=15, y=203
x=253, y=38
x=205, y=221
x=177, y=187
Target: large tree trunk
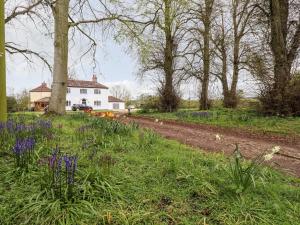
x=60, y=68
x=204, y=101
x=168, y=98
x=279, y=21
x=204, y=104
x=232, y=98
x=3, y=104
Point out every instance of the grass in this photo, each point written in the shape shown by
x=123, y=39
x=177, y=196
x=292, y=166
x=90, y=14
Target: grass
x=235, y=118
x=129, y=176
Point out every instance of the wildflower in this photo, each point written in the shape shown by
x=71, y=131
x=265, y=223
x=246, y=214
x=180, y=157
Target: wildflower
x=156, y=121
x=71, y=165
x=268, y=157
x=161, y=123
x=218, y=137
x=276, y=149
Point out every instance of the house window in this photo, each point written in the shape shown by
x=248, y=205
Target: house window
x=97, y=91
x=68, y=90
x=116, y=106
x=97, y=103
x=68, y=103
x=83, y=91
x=83, y=101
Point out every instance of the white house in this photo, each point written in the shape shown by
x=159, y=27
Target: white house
x=90, y=93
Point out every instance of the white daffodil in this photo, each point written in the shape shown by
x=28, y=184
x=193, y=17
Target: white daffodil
x=268, y=157
x=161, y=123
x=276, y=149
x=156, y=121
x=218, y=137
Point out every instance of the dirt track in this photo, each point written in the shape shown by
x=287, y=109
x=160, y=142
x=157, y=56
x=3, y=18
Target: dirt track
x=251, y=144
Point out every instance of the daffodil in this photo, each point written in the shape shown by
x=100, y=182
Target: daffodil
x=218, y=137
x=268, y=157
x=276, y=149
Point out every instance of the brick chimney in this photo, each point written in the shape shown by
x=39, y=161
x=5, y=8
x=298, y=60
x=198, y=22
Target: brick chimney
x=94, y=79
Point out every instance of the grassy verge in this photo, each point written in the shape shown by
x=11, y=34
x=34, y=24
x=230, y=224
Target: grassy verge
x=128, y=176
x=238, y=118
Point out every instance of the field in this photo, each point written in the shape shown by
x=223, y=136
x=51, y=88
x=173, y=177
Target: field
x=83, y=170
x=243, y=118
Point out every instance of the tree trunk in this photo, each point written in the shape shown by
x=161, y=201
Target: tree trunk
x=168, y=98
x=279, y=21
x=204, y=102
x=60, y=68
x=3, y=103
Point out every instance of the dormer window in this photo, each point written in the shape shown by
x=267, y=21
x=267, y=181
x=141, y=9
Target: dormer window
x=83, y=91
x=97, y=91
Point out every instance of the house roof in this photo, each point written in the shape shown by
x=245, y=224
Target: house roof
x=114, y=99
x=46, y=99
x=85, y=84
x=42, y=88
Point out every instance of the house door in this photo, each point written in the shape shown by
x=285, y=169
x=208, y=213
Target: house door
x=83, y=101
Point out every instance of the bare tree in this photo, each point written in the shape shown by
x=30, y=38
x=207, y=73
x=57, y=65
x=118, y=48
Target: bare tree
x=60, y=67
x=3, y=107
x=160, y=49
x=200, y=17
x=32, y=10
x=67, y=16
x=285, y=44
x=275, y=60
x=120, y=92
x=231, y=45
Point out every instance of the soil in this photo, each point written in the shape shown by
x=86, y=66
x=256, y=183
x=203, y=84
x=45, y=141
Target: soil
x=205, y=138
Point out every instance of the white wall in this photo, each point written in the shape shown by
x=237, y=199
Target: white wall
x=76, y=98
x=121, y=106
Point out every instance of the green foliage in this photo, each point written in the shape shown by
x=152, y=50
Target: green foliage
x=149, y=103
x=11, y=104
x=241, y=174
x=287, y=104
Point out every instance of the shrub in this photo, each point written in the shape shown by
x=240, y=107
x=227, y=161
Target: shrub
x=148, y=103
x=11, y=104
x=276, y=104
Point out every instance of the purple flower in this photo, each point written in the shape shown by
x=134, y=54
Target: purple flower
x=24, y=145
x=71, y=165
x=10, y=126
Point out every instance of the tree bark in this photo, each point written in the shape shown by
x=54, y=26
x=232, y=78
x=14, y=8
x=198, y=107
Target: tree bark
x=204, y=101
x=169, y=99
x=279, y=21
x=3, y=101
x=60, y=68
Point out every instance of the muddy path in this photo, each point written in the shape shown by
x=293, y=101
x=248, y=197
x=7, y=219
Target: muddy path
x=204, y=137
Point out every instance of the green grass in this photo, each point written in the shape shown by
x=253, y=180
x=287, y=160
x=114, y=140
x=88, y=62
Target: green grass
x=236, y=118
x=149, y=180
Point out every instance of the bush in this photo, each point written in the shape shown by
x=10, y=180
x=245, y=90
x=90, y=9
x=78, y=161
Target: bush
x=11, y=104
x=275, y=104
x=148, y=103
x=294, y=93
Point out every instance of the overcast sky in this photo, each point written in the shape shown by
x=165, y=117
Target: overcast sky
x=113, y=67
